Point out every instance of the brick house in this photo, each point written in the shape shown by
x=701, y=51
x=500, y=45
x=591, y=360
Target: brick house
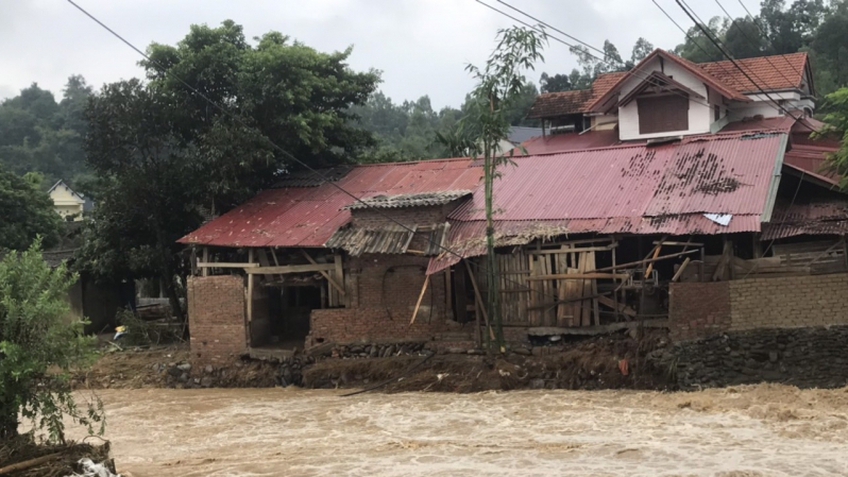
x=676, y=194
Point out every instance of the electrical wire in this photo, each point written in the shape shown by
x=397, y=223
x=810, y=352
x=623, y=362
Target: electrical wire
x=273, y=144
x=762, y=32
x=634, y=73
x=718, y=44
x=751, y=41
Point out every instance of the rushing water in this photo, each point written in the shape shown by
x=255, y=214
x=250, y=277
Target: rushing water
x=752, y=431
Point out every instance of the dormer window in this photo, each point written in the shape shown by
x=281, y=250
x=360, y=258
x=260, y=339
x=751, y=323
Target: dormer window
x=664, y=113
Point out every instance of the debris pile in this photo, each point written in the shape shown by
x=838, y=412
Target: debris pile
x=23, y=457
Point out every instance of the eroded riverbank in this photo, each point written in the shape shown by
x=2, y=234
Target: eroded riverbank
x=766, y=430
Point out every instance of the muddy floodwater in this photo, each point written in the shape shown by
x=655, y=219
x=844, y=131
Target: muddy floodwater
x=763, y=430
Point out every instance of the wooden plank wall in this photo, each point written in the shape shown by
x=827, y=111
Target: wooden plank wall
x=545, y=302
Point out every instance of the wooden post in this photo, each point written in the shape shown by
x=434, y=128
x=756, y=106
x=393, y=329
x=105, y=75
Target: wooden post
x=205, y=271
x=420, y=298
x=250, y=278
x=615, y=290
x=480, y=304
x=680, y=270
x=448, y=290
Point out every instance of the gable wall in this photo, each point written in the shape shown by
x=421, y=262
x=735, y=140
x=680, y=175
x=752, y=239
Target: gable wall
x=700, y=116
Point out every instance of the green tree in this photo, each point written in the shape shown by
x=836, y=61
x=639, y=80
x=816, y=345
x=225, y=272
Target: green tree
x=744, y=40
x=164, y=156
x=830, y=46
x=788, y=30
x=285, y=92
x=836, y=127
x=39, y=349
x=554, y=83
x=641, y=49
x=499, y=86
x=27, y=212
x=697, y=47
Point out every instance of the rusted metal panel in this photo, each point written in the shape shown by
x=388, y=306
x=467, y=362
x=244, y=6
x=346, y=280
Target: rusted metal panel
x=815, y=218
x=308, y=215
x=409, y=200
x=391, y=239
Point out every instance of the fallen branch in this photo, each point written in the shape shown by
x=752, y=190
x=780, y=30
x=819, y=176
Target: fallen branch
x=405, y=373
x=28, y=464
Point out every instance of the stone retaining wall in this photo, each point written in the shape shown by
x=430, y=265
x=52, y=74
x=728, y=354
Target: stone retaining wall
x=804, y=357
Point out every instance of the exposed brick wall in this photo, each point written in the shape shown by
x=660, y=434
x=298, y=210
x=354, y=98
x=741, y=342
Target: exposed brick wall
x=698, y=309
x=409, y=216
x=384, y=290
x=789, y=302
x=216, y=318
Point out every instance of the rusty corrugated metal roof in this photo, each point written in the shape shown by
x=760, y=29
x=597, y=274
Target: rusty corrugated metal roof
x=723, y=174
x=309, y=216
x=824, y=217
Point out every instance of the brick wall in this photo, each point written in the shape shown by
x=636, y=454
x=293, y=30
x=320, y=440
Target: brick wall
x=409, y=216
x=384, y=290
x=698, y=309
x=789, y=302
x=216, y=318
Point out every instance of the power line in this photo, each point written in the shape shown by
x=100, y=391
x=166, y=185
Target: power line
x=272, y=143
x=633, y=73
x=751, y=41
x=716, y=42
x=762, y=32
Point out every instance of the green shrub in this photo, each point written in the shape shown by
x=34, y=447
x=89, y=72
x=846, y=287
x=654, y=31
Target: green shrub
x=39, y=348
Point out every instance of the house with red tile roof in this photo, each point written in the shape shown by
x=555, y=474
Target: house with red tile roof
x=659, y=197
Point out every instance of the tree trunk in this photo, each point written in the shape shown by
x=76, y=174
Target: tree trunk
x=8, y=421
x=173, y=298
x=493, y=301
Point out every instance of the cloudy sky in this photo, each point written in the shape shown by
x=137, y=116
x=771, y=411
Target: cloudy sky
x=421, y=46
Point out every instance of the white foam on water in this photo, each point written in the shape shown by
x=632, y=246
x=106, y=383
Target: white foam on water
x=742, y=432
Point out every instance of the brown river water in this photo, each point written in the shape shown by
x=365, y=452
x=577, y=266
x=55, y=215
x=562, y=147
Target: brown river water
x=765, y=430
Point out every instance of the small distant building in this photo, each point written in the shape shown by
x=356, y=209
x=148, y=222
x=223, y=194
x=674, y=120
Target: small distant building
x=72, y=206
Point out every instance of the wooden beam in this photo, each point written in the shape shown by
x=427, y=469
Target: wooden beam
x=204, y=271
x=480, y=304
x=596, y=330
x=558, y=251
x=336, y=267
x=254, y=269
x=205, y=264
x=580, y=276
x=620, y=308
x=650, y=269
x=680, y=270
x=680, y=244
x=420, y=299
x=250, y=278
x=643, y=262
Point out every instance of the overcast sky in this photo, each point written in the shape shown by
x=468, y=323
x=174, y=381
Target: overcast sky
x=421, y=46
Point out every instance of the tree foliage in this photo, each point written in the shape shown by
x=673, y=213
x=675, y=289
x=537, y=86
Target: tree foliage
x=27, y=212
x=39, y=349
x=499, y=86
x=836, y=127
x=37, y=134
x=165, y=157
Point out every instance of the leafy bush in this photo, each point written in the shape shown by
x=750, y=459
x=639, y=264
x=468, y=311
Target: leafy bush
x=39, y=348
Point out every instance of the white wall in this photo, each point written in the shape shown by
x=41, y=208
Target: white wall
x=700, y=115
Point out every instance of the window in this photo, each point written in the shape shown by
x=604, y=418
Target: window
x=717, y=114
x=663, y=113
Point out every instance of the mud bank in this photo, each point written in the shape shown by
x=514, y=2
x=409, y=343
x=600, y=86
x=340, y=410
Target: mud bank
x=615, y=361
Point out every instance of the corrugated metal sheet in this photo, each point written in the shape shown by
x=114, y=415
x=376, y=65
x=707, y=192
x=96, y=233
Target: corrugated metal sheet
x=727, y=174
x=409, y=200
x=392, y=239
x=309, y=216
x=815, y=218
